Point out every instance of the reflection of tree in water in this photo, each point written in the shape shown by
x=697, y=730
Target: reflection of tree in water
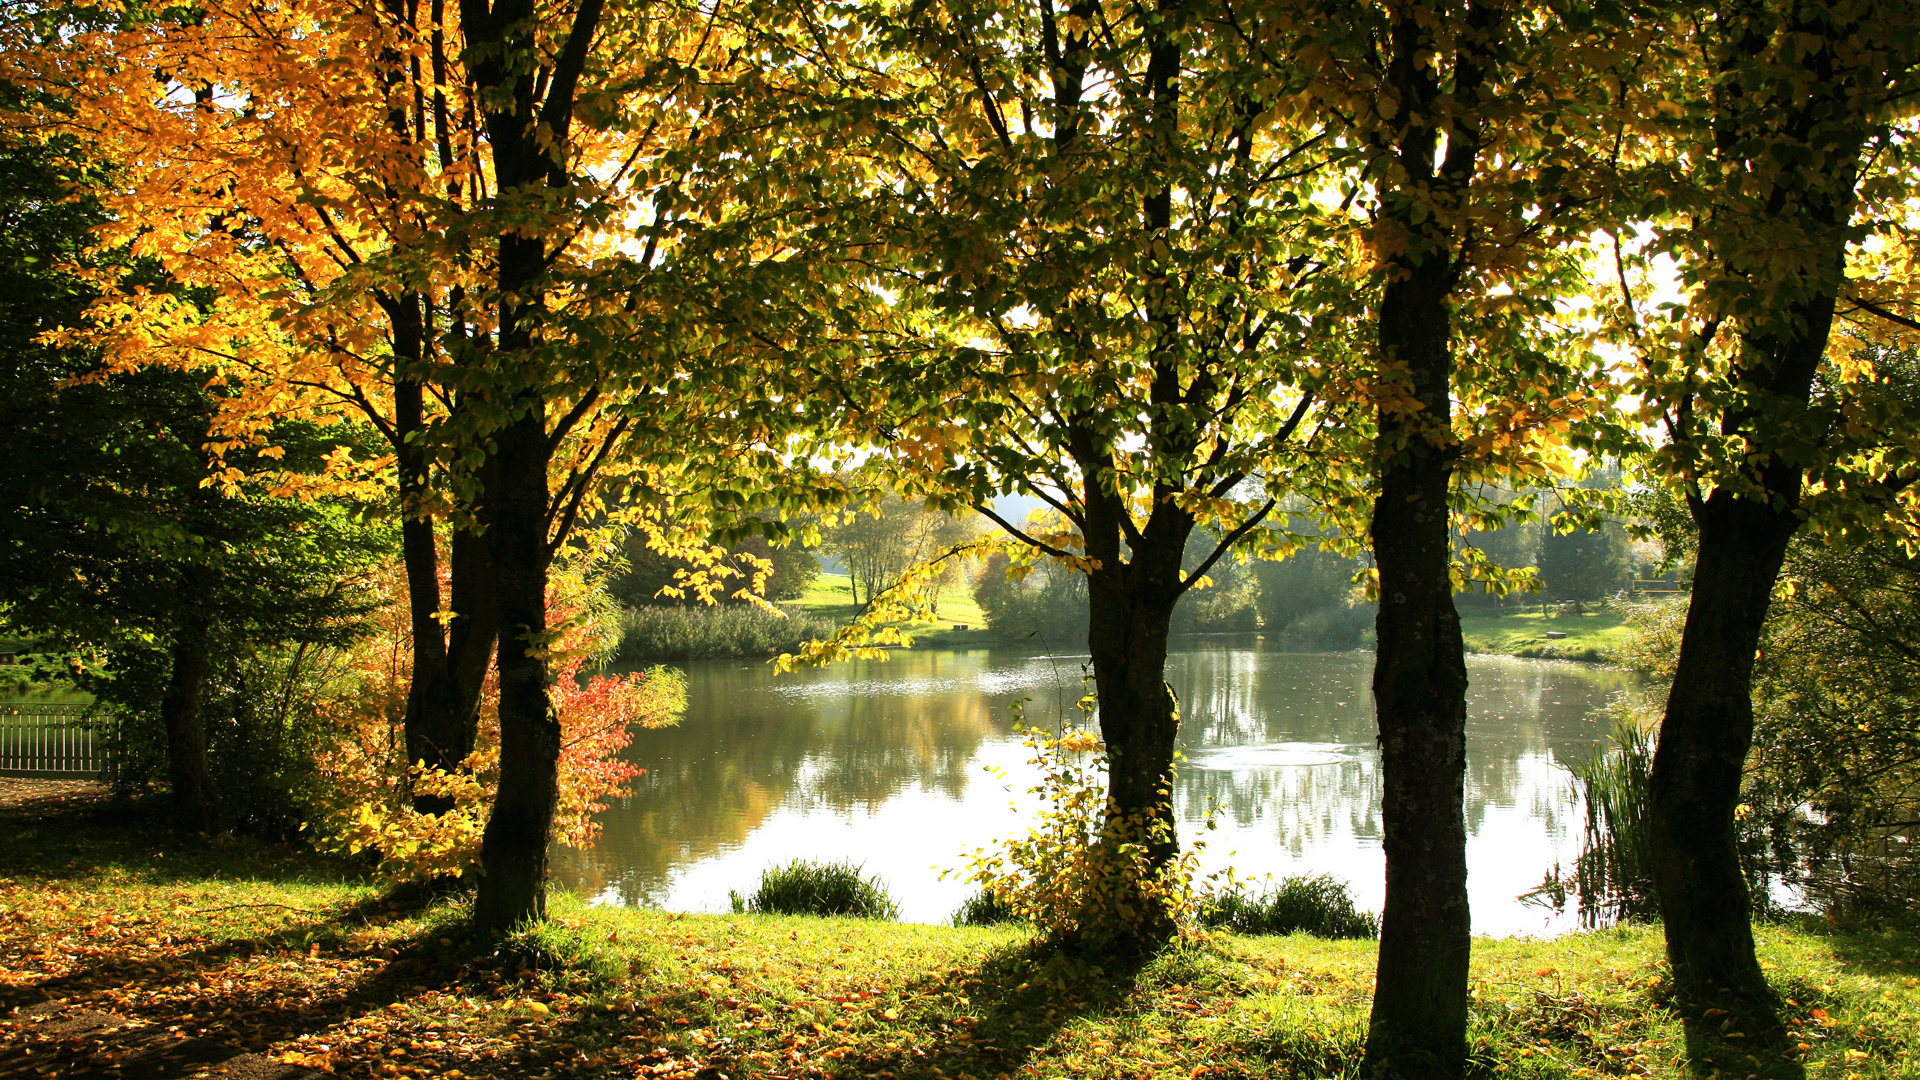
x=845, y=740
x=1304, y=805
x=750, y=746
x=1527, y=719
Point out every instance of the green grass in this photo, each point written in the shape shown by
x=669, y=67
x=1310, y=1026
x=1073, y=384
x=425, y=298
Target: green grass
x=1588, y=637
x=831, y=596
x=1320, y=906
x=245, y=946
x=809, y=888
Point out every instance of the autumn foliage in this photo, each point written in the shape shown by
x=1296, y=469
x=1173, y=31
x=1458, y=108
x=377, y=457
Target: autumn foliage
x=367, y=809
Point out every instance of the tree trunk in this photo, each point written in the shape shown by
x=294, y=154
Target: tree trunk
x=471, y=637
x=1139, y=718
x=1704, y=739
x=429, y=724
x=1419, y=1020
x=513, y=853
x=1418, y=1025
x=527, y=119
x=195, y=802
x=1708, y=727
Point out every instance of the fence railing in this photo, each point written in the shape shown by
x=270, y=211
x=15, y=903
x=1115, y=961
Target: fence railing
x=39, y=739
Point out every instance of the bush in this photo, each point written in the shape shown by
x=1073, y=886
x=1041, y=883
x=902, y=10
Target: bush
x=806, y=888
x=1320, y=906
x=984, y=908
x=699, y=632
x=1084, y=875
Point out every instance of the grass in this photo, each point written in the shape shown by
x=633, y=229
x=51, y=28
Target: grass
x=1588, y=637
x=241, y=946
x=808, y=888
x=699, y=632
x=961, y=622
x=1320, y=906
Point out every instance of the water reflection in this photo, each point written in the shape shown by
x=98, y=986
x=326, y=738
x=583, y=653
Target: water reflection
x=885, y=763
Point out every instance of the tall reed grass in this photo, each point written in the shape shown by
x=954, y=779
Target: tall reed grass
x=700, y=632
x=1612, y=880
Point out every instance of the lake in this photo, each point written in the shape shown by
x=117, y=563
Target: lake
x=909, y=764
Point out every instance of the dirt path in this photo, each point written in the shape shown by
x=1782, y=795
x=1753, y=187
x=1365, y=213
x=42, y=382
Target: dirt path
x=34, y=796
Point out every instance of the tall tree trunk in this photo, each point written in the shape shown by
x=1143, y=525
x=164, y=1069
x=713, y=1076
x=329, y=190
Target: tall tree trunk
x=1418, y=1025
x=429, y=723
x=471, y=637
x=1747, y=521
x=513, y=852
x=195, y=802
x=1419, y=1020
x=1702, y=753
x=529, y=135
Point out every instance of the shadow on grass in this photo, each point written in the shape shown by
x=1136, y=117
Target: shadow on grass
x=1737, y=1037
x=1891, y=950
x=1716, y=1046
x=981, y=1020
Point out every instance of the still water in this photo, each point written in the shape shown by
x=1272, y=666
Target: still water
x=909, y=764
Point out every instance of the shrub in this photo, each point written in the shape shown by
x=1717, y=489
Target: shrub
x=984, y=909
x=700, y=632
x=365, y=807
x=807, y=888
x=1320, y=906
x=1083, y=875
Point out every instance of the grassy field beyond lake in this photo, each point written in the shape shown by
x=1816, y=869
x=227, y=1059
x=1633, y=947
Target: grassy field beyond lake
x=1581, y=637
x=166, y=959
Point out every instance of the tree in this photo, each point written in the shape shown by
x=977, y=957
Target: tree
x=881, y=541
x=111, y=537
x=1047, y=605
x=300, y=171
x=1460, y=114
x=1785, y=127
x=598, y=357
x=1583, y=565
x=1081, y=273
x=789, y=569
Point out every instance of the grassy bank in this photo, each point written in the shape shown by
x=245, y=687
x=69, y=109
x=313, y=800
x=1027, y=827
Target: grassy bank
x=191, y=956
x=961, y=622
x=1587, y=637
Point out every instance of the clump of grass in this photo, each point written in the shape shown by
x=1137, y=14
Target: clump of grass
x=808, y=888
x=1320, y=906
x=984, y=909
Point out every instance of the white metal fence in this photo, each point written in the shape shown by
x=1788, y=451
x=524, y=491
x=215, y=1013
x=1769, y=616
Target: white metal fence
x=38, y=739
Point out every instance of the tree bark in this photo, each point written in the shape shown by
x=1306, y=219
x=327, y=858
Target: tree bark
x=1748, y=519
x=429, y=723
x=1419, y=1019
x=1127, y=632
x=1702, y=754
x=195, y=801
x=1418, y=1024
x=471, y=637
x=513, y=851
x=529, y=135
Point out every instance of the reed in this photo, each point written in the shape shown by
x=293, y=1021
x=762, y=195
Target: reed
x=701, y=632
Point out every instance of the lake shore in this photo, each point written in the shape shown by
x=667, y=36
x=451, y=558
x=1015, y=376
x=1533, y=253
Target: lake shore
x=123, y=947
